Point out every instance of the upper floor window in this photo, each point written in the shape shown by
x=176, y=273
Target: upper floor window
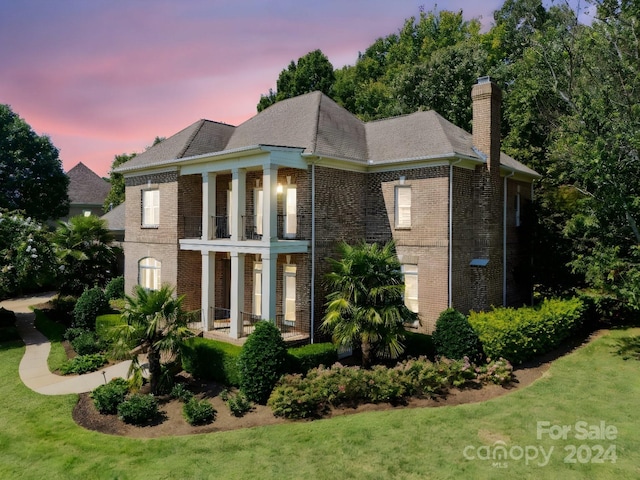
x=403, y=206
x=517, y=209
x=150, y=208
x=290, y=212
x=149, y=273
x=411, y=287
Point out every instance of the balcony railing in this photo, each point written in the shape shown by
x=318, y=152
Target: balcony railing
x=288, y=227
x=221, y=320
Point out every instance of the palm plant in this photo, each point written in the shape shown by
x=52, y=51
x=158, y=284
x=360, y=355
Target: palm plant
x=365, y=304
x=156, y=320
x=85, y=253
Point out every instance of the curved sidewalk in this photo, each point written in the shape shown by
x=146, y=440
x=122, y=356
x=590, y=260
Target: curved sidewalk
x=34, y=371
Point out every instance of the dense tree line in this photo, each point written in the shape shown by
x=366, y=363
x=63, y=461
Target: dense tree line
x=571, y=111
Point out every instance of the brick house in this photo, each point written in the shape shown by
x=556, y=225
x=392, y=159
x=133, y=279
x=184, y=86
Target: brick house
x=87, y=192
x=241, y=219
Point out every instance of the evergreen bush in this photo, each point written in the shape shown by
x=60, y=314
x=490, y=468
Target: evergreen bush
x=262, y=361
x=211, y=360
x=455, y=338
x=138, y=409
x=87, y=343
x=107, y=397
x=90, y=304
x=302, y=359
x=114, y=288
x=198, y=412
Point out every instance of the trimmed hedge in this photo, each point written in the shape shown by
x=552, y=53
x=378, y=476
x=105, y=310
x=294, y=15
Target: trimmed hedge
x=521, y=334
x=302, y=359
x=90, y=304
x=211, y=360
x=418, y=345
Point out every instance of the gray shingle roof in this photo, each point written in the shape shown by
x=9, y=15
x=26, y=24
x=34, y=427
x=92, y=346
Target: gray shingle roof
x=320, y=126
x=86, y=187
x=115, y=218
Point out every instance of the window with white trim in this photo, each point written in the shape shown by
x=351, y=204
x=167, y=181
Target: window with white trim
x=150, y=208
x=149, y=273
x=257, y=288
x=291, y=212
x=411, y=287
x=403, y=206
x=289, y=294
x=257, y=209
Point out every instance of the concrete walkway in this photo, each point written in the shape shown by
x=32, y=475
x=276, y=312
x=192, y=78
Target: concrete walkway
x=34, y=371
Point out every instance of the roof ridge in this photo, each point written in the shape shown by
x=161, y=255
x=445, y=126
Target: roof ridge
x=317, y=120
x=187, y=144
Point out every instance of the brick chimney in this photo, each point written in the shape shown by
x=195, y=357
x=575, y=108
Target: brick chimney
x=487, y=230
x=486, y=97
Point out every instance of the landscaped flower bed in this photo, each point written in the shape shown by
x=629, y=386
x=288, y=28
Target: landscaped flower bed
x=312, y=396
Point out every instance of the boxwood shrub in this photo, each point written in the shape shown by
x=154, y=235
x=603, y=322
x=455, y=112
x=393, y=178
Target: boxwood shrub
x=107, y=397
x=521, y=334
x=211, y=360
x=302, y=359
x=198, y=412
x=262, y=362
x=106, y=322
x=90, y=304
x=454, y=338
x=138, y=409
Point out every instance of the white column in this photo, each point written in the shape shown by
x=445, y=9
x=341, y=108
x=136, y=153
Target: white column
x=237, y=293
x=208, y=205
x=270, y=203
x=208, y=289
x=269, y=263
x=238, y=202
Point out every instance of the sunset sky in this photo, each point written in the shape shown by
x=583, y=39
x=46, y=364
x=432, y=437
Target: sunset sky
x=106, y=77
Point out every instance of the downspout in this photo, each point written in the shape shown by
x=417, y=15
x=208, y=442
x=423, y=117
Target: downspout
x=450, y=272
x=313, y=249
x=504, y=241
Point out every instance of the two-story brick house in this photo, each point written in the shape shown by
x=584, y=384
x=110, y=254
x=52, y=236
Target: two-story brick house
x=241, y=219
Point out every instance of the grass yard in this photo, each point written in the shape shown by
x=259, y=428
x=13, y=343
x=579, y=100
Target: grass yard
x=38, y=438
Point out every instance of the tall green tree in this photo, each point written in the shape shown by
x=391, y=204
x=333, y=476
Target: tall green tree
x=365, y=305
x=31, y=175
x=157, y=321
x=312, y=72
x=85, y=254
x=597, y=149
x=116, y=195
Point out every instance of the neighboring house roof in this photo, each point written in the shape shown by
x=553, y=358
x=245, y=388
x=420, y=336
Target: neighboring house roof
x=319, y=126
x=86, y=187
x=115, y=218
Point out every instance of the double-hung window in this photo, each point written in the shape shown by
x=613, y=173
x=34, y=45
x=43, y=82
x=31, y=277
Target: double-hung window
x=403, y=206
x=150, y=208
x=290, y=212
x=289, y=294
x=149, y=273
x=411, y=287
x=257, y=289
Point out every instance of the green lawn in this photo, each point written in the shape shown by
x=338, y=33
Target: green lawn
x=38, y=438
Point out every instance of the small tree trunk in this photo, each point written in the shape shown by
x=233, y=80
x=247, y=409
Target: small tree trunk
x=366, y=354
x=154, y=369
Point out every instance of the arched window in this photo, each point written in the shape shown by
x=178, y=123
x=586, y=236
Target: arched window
x=149, y=273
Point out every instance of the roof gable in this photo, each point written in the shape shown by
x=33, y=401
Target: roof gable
x=86, y=187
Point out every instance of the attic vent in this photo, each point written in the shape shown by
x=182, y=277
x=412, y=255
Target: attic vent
x=485, y=79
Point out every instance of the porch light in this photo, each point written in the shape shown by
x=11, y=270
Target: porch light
x=279, y=189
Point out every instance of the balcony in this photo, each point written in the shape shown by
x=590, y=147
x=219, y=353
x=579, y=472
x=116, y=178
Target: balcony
x=288, y=227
